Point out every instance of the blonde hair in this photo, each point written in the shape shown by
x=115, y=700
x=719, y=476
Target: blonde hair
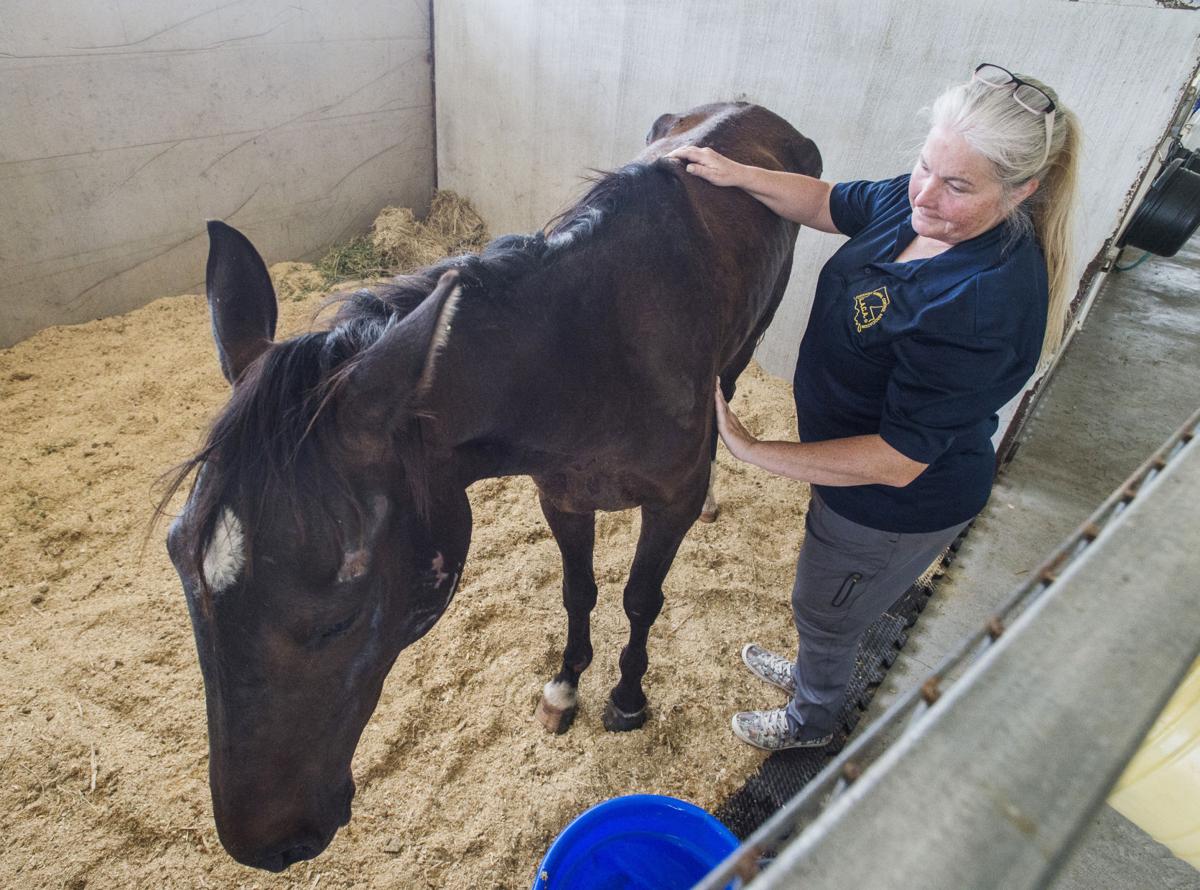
x=1013, y=139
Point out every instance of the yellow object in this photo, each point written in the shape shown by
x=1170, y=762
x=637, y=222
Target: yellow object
x=1160, y=788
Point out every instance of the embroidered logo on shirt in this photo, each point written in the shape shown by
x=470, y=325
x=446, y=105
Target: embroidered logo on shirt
x=869, y=308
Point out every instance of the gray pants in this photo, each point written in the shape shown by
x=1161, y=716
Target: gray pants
x=846, y=577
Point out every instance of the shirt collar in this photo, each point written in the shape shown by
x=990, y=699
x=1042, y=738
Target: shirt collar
x=951, y=266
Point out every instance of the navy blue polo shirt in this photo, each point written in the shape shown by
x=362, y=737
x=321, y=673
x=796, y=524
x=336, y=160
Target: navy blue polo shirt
x=924, y=353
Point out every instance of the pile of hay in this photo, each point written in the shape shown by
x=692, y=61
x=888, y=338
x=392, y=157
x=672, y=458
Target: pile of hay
x=398, y=242
x=452, y=227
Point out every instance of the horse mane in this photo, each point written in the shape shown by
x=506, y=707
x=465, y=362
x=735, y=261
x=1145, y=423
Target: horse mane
x=637, y=192
x=275, y=427
x=266, y=434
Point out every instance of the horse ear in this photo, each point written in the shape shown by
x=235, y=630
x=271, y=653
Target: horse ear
x=661, y=127
x=805, y=157
x=241, y=299
x=399, y=367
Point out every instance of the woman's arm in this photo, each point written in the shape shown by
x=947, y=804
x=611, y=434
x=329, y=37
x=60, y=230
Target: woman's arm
x=855, y=460
x=794, y=196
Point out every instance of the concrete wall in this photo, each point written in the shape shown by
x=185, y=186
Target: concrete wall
x=126, y=123
x=530, y=94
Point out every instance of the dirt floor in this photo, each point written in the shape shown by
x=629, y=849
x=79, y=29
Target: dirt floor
x=103, y=757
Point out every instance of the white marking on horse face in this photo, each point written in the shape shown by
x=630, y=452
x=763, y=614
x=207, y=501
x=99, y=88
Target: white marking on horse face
x=354, y=565
x=225, y=555
x=559, y=694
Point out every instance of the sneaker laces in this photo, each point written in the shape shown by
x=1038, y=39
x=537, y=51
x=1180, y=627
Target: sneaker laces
x=776, y=722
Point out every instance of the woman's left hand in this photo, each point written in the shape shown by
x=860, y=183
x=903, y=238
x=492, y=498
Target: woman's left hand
x=735, y=436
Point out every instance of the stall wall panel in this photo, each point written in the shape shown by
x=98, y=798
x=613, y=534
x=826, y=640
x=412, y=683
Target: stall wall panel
x=532, y=94
x=127, y=123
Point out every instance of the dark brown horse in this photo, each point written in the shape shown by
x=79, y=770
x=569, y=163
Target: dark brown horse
x=327, y=523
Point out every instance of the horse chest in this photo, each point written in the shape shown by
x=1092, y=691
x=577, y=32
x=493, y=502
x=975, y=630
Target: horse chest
x=595, y=486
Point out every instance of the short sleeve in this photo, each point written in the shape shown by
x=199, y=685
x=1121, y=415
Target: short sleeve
x=942, y=387
x=853, y=205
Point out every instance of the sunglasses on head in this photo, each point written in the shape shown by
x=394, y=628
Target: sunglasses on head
x=1028, y=96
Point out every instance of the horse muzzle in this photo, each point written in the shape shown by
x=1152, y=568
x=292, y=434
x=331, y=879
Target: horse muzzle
x=300, y=838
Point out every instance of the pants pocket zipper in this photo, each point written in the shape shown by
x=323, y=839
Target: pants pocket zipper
x=847, y=586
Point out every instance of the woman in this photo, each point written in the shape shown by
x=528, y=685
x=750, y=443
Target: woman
x=931, y=317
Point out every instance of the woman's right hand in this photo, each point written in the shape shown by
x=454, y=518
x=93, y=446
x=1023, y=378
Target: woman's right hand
x=710, y=165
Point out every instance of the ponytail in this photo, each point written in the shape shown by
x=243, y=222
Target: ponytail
x=1013, y=139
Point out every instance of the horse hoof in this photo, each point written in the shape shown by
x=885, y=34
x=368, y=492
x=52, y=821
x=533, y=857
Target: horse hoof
x=616, y=720
x=556, y=720
x=708, y=516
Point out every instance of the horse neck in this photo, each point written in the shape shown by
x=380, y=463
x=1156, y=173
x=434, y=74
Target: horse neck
x=493, y=380
x=531, y=379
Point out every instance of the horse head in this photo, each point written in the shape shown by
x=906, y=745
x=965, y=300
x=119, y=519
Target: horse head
x=759, y=137
x=319, y=538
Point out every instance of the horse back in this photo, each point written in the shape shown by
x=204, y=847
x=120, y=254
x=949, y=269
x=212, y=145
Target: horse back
x=651, y=286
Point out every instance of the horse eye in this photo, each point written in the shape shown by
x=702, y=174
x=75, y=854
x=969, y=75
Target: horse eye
x=327, y=634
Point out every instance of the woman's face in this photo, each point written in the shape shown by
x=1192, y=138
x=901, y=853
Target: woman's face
x=953, y=192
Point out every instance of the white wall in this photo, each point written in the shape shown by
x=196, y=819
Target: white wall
x=126, y=123
x=531, y=94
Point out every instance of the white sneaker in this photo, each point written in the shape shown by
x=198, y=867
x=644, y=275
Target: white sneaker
x=771, y=731
x=775, y=669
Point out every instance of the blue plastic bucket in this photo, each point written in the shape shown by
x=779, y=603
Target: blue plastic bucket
x=637, y=842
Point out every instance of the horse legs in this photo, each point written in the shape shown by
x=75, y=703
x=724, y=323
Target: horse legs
x=662, y=532
x=576, y=537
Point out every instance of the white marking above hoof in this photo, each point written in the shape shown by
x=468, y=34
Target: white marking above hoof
x=559, y=694
x=226, y=553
